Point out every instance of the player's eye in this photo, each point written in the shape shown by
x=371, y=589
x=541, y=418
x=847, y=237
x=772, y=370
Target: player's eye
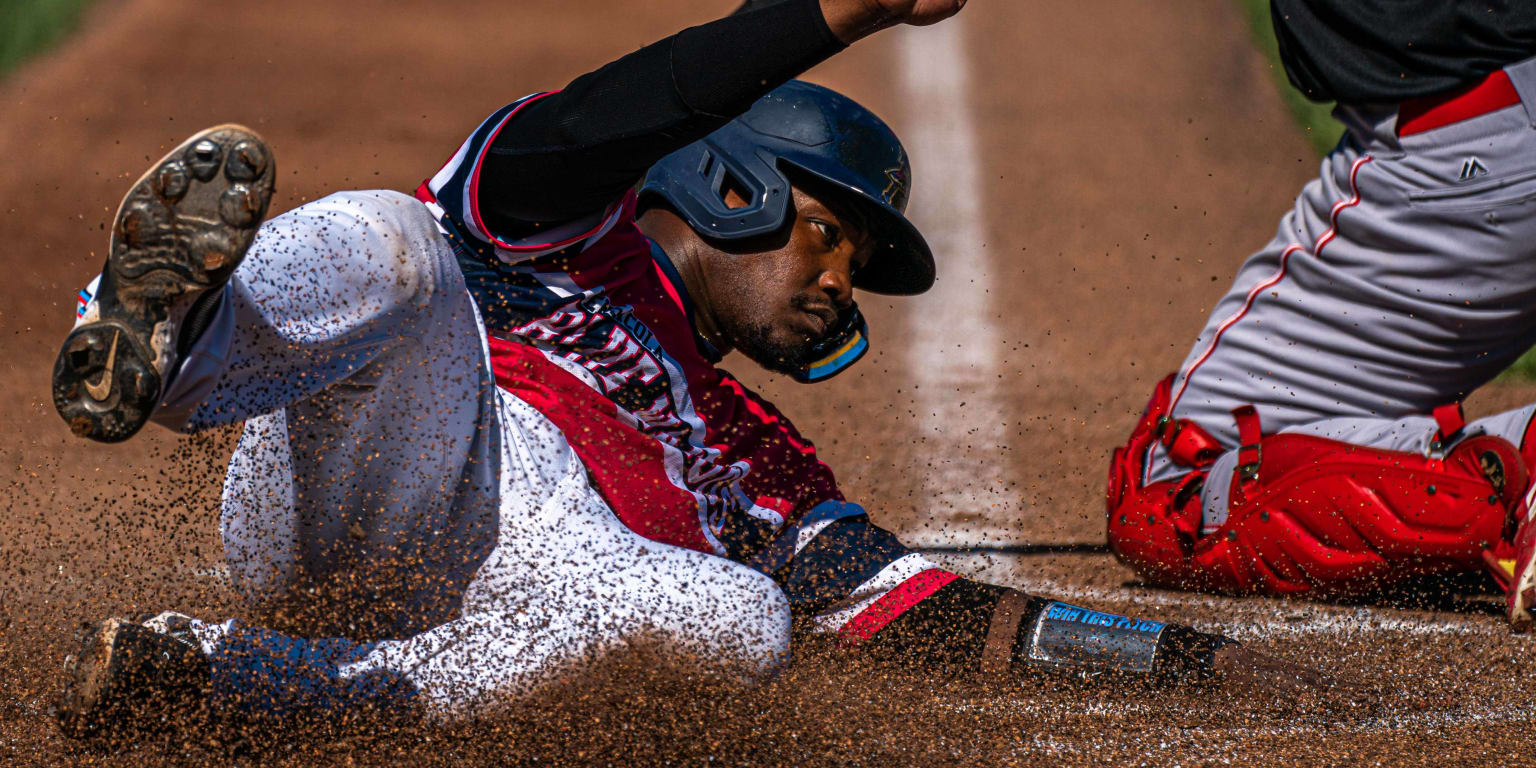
x=830, y=234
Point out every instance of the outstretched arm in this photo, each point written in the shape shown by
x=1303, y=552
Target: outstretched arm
x=573, y=152
x=857, y=582
x=848, y=579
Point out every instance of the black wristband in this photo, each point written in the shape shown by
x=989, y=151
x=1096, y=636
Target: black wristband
x=948, y=629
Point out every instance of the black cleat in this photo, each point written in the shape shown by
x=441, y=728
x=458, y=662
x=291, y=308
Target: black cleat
x=180, y=232
x=131, y=679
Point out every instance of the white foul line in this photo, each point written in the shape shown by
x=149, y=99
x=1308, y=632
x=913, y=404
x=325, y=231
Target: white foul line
x=952, y=343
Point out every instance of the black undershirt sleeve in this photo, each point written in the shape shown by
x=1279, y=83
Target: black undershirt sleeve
x=572, y=153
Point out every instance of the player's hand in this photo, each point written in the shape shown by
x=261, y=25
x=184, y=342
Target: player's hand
x=854, y=19
x=918, y=13
x=1241, y=669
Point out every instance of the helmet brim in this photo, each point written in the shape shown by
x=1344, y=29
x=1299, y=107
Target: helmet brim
x=901, y=264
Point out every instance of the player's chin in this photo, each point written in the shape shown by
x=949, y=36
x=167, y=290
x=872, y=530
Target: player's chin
x=779, y=349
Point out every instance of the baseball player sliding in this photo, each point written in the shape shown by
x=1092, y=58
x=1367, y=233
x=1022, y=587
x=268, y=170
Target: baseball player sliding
x=485, y=441
x=1313, y=440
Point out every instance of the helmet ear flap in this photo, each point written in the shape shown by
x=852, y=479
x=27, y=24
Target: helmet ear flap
x=805, y=127
x=711, y=172
x=748, y=174
x=719, y=180
x=698, y=180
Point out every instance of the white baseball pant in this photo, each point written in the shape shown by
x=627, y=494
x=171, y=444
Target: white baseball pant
x=383, y=471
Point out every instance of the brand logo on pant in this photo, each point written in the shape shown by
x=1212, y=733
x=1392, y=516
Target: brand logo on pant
x=1472, y=168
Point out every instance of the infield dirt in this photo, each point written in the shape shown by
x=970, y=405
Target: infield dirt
x=1092, y=178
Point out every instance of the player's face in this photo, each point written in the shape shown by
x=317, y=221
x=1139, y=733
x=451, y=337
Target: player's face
x=774, y=300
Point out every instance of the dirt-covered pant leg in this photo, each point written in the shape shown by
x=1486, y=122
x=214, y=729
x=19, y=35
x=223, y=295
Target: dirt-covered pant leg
x=379, y=454
x=1398, y=282
x=567, y=586
x=1334, y=507
x=366, y=475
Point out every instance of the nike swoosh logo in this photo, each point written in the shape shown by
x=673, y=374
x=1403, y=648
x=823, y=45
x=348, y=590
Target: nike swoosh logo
x=103, y=385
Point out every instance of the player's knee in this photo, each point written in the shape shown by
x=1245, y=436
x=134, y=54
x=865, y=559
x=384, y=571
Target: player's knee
x=394, y=256
x=412, y=273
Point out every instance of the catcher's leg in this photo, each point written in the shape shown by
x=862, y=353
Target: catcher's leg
x=1301, y=512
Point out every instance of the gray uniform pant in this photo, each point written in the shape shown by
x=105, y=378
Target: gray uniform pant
x=1402, y=280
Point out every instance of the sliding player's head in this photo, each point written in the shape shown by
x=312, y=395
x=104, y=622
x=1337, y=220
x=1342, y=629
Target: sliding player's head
x=796, y=203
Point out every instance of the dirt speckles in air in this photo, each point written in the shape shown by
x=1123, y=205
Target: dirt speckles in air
x=1090, y=170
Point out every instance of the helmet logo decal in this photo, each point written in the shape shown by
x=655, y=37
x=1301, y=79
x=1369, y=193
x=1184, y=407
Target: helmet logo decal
x=897, y=186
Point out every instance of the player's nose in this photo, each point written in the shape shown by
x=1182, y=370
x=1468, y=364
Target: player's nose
x=837, y=283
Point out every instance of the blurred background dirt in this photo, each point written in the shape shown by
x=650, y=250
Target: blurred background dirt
x=1129, y=156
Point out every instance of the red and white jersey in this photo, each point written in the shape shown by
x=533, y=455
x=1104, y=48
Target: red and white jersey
x=590, y=322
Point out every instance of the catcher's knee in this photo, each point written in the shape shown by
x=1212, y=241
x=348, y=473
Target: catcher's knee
x=1305, y=514
x=1325, y=517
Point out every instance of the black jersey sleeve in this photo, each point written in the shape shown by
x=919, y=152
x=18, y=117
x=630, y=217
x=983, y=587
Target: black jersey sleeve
x=573, y=152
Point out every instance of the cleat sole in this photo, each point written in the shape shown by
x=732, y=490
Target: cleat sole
x=181, y=230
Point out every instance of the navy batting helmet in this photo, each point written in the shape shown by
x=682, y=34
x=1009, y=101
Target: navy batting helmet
x=815, y=131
